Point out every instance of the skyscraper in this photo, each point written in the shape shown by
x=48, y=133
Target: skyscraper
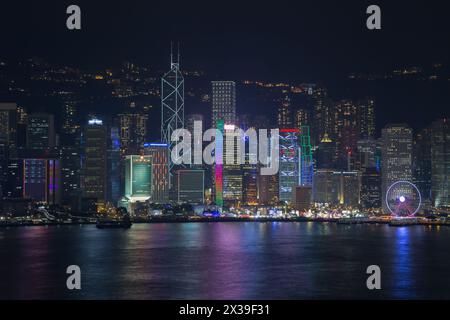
x=71, y=176
x=285, y=113
x=223, y=102
x=422, y=162
x=345, y=132
x=366, y=118
x=172, y=103
x=191, y=186
x=370, y=189
x=440, y=163
x=306, y=168
x=41, y=180
x=159, y=153
x=41, y=131
x=138, y=177
x=396, y=157
x=289, y=163
x=133, y=132
x=8, y=139
x=232, y=171
x=95, y=160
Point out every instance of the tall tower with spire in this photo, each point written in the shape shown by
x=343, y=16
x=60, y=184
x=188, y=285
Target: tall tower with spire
x=172, y=101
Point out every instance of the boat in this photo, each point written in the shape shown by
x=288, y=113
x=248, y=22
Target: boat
x=105, y=223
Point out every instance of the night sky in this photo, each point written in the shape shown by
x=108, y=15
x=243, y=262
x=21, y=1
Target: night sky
x=276, y=41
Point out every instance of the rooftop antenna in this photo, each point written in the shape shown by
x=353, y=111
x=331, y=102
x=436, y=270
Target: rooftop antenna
x=178, y=58
x=171, y=53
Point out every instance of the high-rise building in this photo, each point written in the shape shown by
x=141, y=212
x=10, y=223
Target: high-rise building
x=422, y=162
x=325, y=190
x=366, y=118
x=133, y=132
x=306, y=168
x=302, y=198
x=440, y=163
x=345, y=133
x=289, y=163
x=138, y=177
x=366, y=153
x=114, y=166
x=14, y=182
x=41, y=131
x=95, y=160
x=370, y=189
x=223, y=102
x=348, y=186
x=232, y=170
x=268, y=189
x=396, y=157
x=336, y=187
x=8, y=125
x=41, y=180
x=8, y=139
x=159, y=153
x=70, y=131
x=172, y=104
x=196, y=143
x=71, y=176
x=191, y=186
x=285, y=113
x=323, y=116
x=325, y=153
x=250, y=184
x=302, y=118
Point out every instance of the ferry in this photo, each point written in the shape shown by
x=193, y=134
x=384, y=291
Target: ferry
x=105, y=223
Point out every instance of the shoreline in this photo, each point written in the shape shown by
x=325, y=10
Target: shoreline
x=232, y=220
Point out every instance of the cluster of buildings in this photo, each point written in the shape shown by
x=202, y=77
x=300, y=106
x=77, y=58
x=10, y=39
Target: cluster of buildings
x=329, y=157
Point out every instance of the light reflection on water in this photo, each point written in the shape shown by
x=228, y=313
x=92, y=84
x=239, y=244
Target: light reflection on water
x=225, y=261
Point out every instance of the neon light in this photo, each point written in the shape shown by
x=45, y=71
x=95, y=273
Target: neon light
x=229, y=127
x=290, y=130
x=218, y=165
x=155, y=145
x=95, y=122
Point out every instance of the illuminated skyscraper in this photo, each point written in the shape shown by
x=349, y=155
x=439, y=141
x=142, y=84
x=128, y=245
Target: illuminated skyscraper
x=71, y=176
x=41, y=131
x=366, y=118
x=370, y=188
x=95, y=160
x=223, y=102
x=422, y=162
x=191, y=186
x=306, y=168
x=324, y=188
x=396, y=157
x=285, y=115
x=289, y=163
x=8, y=139
x=133, y=132
x=345, y=133
x=302, y=118
x=41, y=180
x=138, y=177
x=325, y=153
x=172, y=103
x=232, y=172
x=440, y=163
x=159, y=153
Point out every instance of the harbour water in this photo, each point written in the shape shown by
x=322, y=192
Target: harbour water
x=235, y=260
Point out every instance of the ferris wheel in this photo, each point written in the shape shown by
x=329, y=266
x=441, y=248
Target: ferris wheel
x=403, y=199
